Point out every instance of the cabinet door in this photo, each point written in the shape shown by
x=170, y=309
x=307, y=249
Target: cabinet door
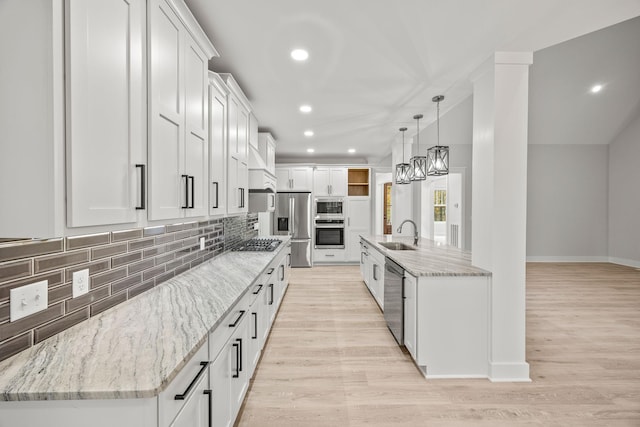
x=220, y=371
x=217, y=151
x=322, y=182
x=233, y=186
x=196, y=121
x=253, y=131
x=239, y=344
x=195, y=412
x=338, y=181
x=166, y=101
x=243, y=134
x=302, y=178
x=105, y=111
x=353, y=248
x=283, y=179
x=271, y=157
x=410, y=318
x=243, y=186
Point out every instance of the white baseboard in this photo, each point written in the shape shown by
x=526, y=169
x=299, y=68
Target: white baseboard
x=627, y=262
x=613, y=260
x=509, y=372
x=568, y=259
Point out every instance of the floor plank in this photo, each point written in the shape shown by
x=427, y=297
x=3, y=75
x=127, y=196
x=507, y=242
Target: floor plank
x=331, y=361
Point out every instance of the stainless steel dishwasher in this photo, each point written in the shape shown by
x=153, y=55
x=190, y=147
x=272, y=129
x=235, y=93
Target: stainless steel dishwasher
x=394, y=299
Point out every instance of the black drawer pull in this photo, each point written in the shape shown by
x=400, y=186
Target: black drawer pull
x=184, y=395
x=193, y=193
x=240, y=358
x=255, y=326
x=217, y=204
x=270, y=270
x=234, y=324
x=210, y=394
x=258, y=291
x=143, y=196
x=186, y=192
x=271, y=294
x=237, y=374
x=281, y=272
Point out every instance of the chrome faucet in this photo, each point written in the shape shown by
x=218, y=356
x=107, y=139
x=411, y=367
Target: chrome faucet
x=415, y=230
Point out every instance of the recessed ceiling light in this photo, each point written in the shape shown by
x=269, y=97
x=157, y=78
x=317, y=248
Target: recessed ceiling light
x=310, y=150
x=596, y=88
x=308, y=133
x=299, y=54
x=305, y=108
x=352, y=150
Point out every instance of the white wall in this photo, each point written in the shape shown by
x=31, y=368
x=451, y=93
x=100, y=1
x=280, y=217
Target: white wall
x=624, y=196
x=567, y=202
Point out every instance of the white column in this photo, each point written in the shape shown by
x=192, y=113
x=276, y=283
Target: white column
x=500, y=114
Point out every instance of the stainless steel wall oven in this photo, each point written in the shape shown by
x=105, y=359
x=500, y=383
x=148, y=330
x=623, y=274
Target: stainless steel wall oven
x=329, y=233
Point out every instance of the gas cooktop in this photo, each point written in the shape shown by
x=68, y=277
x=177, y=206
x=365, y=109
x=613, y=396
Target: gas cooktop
x=258, y=244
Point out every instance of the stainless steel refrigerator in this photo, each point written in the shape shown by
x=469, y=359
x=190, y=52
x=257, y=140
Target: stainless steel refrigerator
x=292, y=217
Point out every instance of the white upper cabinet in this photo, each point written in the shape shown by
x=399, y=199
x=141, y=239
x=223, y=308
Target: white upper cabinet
x=105, y=138
x=217, y=144
x=178, y=112
x=298, y=178
x=237, y=147
x=330, y=181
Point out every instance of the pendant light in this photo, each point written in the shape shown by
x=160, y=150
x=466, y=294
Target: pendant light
x=403, y=175
x=418, y=162
x=438, y=156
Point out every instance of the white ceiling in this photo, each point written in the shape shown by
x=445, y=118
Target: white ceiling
x=375, y=63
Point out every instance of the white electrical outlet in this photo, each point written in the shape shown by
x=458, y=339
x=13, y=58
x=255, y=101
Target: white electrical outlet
x=80, y=282
x=28, y=299
x=202, y=243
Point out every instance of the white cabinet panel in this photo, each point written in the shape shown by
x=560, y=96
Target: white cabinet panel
x=220, y=371
x=195, y=412
x=358, y=221
x=178, y=82
x=105, y=138
x=217, y=147
x=330, y=181
x=410, y=316
x=237, y=150
x=298, y=178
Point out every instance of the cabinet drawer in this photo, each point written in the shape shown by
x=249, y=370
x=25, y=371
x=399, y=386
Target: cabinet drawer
x=219, y=336
x=182, y=386
x=329, y=255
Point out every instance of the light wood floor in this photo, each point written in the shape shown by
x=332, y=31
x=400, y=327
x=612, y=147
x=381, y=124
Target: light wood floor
x=330, y=360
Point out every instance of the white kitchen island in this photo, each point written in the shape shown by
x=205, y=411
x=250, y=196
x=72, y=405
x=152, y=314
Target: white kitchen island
x=446, y=307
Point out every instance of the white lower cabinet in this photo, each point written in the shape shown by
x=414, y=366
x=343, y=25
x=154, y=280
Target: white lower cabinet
x=197, y=410
x=220, y=378
x=376, y=275
x=410, y=314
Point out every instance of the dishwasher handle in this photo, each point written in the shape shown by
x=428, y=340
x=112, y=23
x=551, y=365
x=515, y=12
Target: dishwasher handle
x=392, y=267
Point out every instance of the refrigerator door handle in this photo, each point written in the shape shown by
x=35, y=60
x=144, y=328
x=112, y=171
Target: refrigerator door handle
x=292, y=215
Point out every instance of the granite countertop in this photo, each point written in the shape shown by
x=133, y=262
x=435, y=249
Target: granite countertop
x=429, y=258
x=135, y=349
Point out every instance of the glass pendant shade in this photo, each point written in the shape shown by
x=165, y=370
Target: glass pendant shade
x=402, y=173
x=403, y=170
x=438, y=156
x=438, y=160
x=419, y=168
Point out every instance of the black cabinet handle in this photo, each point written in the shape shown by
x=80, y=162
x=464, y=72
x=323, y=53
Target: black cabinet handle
x=271, y=294
x=258, y=291
x=193, y=193
x=217, y=190
x=240, y=358
x=270, y=270
x=234, y=324
x=281, y=271
x=242, y=197
x=143, y=186
x=186, y=192
x=237, y=374
x=210, y=394
x=255, y=326
x=375, y=277
x=288, y=260
x=184, y=395
x=403, y=297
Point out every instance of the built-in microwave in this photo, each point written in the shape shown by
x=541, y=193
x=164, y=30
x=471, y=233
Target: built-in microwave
x=329, y=206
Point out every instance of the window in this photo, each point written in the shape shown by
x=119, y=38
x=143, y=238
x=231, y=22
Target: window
x=440, y=205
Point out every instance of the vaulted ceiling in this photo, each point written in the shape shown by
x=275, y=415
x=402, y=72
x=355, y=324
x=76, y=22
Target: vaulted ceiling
x=373, y=64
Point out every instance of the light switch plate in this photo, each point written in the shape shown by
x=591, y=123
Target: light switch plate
x=202, y=243
x=28, y=299
x=80, y=282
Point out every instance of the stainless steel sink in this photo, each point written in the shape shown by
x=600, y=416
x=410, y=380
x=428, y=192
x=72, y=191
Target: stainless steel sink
x=397, y=246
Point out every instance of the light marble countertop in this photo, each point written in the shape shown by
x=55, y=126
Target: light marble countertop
x=135, y=349
x=429, y=258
